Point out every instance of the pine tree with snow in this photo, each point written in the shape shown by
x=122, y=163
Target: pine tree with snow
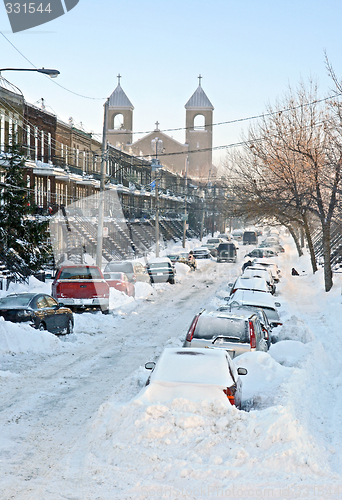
x=23, y=238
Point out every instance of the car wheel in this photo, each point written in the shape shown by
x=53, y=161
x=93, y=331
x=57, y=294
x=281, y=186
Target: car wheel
x=41, y=326
x=70, y=326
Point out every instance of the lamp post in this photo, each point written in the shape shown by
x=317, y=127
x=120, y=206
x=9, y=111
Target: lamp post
x=52, y=73
x=185, y=215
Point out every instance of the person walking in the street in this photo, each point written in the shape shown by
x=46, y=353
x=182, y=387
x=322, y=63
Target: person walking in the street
x=246, y=264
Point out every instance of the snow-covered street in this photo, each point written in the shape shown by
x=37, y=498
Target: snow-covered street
x=73, y=425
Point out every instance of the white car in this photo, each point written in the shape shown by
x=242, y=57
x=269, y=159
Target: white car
x=193, y=373
x=259, y=299
x=260, y=272
x=250, y=283
x=272, y=266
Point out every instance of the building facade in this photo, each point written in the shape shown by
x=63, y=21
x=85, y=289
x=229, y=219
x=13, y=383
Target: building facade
x=193, y=158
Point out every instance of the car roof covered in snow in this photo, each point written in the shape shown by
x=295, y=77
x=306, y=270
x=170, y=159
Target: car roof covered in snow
x=252, y=297
x=193, y=366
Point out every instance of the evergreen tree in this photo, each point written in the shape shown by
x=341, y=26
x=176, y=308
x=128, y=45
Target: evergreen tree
x=23, y=238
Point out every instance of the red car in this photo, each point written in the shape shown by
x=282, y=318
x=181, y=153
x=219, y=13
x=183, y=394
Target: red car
x=120, y=282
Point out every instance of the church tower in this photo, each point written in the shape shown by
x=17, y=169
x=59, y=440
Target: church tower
x=199, y=133
x=120, y=118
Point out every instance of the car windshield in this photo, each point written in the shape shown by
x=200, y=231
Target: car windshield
x=16, y=300
x=210, y=327
x=80, y=273
x=213, y=240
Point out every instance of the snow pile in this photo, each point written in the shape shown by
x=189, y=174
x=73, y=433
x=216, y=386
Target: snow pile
x=293, y=328
x=179, y=445
x=289, y=352
x=23, y=338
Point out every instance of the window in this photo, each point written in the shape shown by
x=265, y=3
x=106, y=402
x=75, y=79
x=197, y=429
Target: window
x=199, y=122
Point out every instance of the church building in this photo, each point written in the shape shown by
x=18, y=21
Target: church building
x=193, y=157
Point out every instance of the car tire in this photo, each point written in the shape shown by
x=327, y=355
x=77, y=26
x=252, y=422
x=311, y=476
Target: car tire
x=70, y=326
x=42, y=326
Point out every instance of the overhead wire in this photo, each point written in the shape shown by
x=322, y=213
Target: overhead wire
x=226, y=122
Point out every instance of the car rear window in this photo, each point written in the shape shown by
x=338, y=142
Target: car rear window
x=159, y=265
x=272, y=314
x=79, y=273
x=210, y=327
x=18, y=300
x=122, y=267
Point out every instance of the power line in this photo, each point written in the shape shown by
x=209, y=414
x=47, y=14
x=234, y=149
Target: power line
x=53, y=81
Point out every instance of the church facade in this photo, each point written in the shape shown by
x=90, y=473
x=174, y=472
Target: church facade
x=194, y=157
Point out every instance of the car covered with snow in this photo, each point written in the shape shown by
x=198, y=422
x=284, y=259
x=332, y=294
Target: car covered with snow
x=194, y=374
x=237, y=333
x=258, y=299
x=249, y=283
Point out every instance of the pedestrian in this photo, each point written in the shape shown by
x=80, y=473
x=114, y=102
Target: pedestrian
x=192, y=260
x=248, y=263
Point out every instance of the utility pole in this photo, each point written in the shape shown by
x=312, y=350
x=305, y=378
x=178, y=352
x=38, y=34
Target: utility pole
x=155, y=167
x=185, y=215
x=99, y=245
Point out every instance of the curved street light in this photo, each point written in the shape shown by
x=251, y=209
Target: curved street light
x=52, y=73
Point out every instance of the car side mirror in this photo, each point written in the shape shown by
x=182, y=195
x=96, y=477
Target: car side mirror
x=230, y=285
x=150, y=365
x=242, y=371
x=277, y=304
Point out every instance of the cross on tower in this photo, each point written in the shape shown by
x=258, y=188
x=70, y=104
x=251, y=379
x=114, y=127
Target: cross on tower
x=157, y=125
x=119, y=76
x=199, y=79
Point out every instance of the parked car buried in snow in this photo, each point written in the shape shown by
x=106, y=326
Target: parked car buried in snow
x=236, y=333
x=39, y=310
x=194, y=374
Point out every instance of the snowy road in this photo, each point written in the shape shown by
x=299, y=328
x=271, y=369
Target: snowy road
x=70, y=430
x=46, y=408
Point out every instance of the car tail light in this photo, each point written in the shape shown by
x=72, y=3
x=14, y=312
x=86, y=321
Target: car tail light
x=134, y=278
x=192, y=328
x=252, y=337
x=228, y=392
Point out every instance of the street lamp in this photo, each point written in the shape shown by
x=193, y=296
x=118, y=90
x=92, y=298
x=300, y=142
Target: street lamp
x=52, y=73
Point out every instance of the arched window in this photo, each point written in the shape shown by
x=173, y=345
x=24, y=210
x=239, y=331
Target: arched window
x=118, y=122
x=199, y=122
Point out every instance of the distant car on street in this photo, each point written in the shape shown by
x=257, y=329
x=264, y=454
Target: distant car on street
x=120, y=282
x=226, y=252
x=39, y=310
x=202, y=253
x=161, y=270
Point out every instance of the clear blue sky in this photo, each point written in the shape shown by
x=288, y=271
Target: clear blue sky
x=247, y=52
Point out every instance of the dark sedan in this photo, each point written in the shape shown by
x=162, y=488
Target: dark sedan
x=40, y=310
